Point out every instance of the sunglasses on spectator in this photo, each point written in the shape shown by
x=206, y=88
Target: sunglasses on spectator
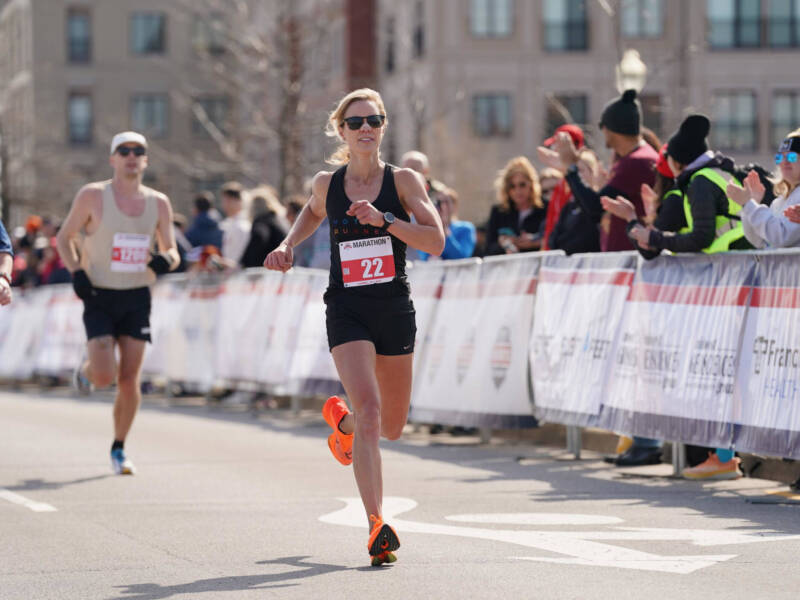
x=355, y=123
x=790, y=157
x=137, y=150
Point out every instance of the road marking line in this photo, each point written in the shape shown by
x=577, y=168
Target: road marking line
x=34, y=506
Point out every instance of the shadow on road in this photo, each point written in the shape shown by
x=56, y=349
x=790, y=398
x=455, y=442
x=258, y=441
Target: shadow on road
x=30, y=485
x=304, y=570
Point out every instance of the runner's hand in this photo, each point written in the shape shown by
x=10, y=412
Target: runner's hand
x=365, y=213
x=280, y=259
x=5, y=292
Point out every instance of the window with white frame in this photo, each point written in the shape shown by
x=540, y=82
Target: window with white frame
x=491, y=18
x=735, y=120
x=491, y=115
x=641, y=18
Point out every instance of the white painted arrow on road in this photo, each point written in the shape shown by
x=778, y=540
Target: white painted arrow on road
x=578, y=547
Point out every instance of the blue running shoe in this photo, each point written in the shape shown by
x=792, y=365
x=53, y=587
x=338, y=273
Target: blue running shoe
x=121, y=464
x=80, y=382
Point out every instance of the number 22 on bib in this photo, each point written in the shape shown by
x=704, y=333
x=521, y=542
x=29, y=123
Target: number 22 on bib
x=367, y=261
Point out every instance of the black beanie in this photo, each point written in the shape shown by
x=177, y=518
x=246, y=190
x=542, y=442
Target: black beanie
x=690, y=140
x=623, y=115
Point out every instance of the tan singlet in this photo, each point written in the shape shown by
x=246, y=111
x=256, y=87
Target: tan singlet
x=116, y=255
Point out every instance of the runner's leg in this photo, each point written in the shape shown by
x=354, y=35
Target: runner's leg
x=355, y=363
x=101, y=369
x=394, y=382
x=129, y=395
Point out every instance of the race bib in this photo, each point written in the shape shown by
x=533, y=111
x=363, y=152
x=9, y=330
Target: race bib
x=130, y=252
x=367, y=261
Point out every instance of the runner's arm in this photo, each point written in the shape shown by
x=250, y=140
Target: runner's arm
x=427, y=233
x=313, y=212
x=165, y=233
x=79, y=216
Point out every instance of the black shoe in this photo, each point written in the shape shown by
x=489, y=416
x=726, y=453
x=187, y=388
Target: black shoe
x=635, y=457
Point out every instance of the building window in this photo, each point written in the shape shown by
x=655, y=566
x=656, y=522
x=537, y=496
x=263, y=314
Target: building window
x=388, y=56
x=79, y=116
x=209, y=113
x=148, y=33
x=208, y=36
x=149, y=114
x=652, y=112
x=419, y=29
x=783, y=24
x=491, y=115
x=565, y=26
x=490, y=18
x=641, y=18
x=565, y=108
x=734, y=23
x=735, y=121
x=79, y=36
x=785, y=115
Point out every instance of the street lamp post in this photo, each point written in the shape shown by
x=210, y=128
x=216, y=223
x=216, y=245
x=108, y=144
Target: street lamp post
x=631, y=72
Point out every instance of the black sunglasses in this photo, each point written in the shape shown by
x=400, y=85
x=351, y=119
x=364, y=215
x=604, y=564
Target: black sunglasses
x=373, y=121
x=137, y=150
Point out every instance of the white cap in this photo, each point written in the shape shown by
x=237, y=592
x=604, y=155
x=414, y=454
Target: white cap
x=127, y=137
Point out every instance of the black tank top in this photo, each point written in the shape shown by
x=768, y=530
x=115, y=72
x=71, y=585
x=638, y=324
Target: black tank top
x=344, y=228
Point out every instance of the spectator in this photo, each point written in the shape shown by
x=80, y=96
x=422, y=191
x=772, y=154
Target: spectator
x=460, y=236
x=767, y=226
x=204, y=230
x=480, y=241
x=633, y=163
x=179, y=223
x=236, y=224
x=418, y=161
x=293, y=208
x=703, y=177
x=549, y=178
x=575, y=231
x=516, y=222
x=51, y=267
x=6, y=266
x=561, y=193
x=269, y=226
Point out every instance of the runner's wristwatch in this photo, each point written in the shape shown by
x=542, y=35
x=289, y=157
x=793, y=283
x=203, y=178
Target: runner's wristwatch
x=388, y=219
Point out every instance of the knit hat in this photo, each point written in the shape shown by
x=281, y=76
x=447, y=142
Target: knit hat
x=690, y=140
x=623, y=115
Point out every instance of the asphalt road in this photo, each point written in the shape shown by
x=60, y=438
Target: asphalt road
x=226, y=505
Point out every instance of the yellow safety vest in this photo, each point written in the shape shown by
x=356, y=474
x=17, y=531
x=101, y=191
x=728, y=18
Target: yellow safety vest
x=727, y=230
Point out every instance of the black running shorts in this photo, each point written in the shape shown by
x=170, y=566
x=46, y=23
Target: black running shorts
x=389, y=323
x=117, y=313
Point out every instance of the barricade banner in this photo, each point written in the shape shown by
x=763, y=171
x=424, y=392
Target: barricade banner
x=674, y=370
x=767, y=399
x=312, y=370
x=425, y=279
x=475, y=372
x=63, y=344
x=190, y=355
x=246, y=315
x=580, y=301
x=166, y=301
x=22, y=338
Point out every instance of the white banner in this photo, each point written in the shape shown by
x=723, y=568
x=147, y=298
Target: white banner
x=674, y=370
x=63, y=344
x=767, y=403
x=475, y=371
x=579, y=305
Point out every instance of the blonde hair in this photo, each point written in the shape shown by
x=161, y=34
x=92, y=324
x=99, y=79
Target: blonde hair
x=783, y=187
x=518, y=165
x=342, y=154
x=263, y=199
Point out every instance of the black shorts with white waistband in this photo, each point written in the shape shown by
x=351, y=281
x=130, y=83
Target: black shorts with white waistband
x=117, y=313
x=389, y=323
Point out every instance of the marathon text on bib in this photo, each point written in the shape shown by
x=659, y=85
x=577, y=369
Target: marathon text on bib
x=130, y=252
x=367, y=261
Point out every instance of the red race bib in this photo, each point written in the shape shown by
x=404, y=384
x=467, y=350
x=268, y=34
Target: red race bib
x=367, y=261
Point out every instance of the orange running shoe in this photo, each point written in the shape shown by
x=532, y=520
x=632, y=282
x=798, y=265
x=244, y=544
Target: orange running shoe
x=383, y=541
x=341, y=444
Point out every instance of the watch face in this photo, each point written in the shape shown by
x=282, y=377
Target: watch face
x=388, y=217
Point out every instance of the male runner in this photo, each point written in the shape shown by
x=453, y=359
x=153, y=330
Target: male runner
x=112, y=269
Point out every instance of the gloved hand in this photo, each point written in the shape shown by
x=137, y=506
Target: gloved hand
x=81, y=284
x=159, y=264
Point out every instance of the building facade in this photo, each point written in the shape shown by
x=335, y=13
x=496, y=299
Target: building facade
x=476, y=82
x=222, y=91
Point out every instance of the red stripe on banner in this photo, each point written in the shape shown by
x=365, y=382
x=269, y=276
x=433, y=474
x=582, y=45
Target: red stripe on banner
x=690, y=294
x=624, y=278
x=776, y=297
